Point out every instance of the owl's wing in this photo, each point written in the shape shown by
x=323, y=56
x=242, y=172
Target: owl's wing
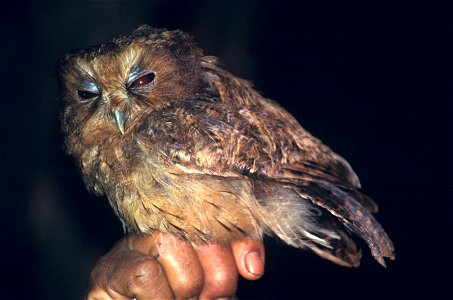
x=287, y=146
x=319, y=174
x=230, y=130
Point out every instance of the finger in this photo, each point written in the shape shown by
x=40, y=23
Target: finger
x=220, y=274
x=249, y=257
x=126, y=274
x=181, y=265
x=144, y=279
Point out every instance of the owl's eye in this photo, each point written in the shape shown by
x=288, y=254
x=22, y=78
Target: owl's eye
x=88, y=91
x=87, y=95
x=143, y=81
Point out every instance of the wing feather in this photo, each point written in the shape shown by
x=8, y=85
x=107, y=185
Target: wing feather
x=238, y=133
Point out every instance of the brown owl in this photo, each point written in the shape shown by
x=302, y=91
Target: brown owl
x=180, y=145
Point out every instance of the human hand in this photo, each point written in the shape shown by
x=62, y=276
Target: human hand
x=161, y=266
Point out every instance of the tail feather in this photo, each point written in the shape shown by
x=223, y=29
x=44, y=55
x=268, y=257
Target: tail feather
x=352, y=215
x=363, y=199
x=315, y=215
x=338, y=246
x=301, y=224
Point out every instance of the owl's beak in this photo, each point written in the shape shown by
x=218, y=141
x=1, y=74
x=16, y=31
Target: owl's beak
x=119, y=119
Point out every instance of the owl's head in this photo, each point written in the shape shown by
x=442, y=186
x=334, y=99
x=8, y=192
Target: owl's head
x=106, y=88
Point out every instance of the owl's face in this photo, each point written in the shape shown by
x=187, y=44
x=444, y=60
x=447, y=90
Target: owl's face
x=107, y=88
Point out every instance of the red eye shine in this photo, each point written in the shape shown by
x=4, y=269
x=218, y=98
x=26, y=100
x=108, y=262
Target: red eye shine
x=143, y=80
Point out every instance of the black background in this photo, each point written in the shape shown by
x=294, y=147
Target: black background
x=371, y=79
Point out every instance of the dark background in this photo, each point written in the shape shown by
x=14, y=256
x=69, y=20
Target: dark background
x=372, y=79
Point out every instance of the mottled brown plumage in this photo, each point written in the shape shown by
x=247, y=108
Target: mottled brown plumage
x=182, y=146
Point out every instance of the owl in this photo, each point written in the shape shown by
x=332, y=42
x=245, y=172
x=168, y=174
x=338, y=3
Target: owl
x=179, y=145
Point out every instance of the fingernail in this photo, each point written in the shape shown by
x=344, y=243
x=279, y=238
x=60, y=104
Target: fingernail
x=254, y=264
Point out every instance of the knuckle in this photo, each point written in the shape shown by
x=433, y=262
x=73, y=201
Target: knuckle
x=146, y=272
x=187, y=286
x=148, y=281
x=220, y=285
x=219, y=278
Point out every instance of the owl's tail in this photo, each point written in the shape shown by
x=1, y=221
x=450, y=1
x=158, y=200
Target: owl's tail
x=318, y=216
